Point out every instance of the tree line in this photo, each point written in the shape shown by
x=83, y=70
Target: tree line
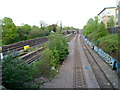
x=12, y=33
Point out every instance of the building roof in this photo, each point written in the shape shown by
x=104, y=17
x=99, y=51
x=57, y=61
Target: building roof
x=106, y=8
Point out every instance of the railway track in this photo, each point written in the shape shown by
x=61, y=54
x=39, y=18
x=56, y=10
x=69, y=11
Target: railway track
x=78, y=74
x=20, y=45
x=103, y=79
x=33, y=56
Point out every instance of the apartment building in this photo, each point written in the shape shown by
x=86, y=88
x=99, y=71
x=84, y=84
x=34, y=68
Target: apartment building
x=118, y=14
x=106, y=14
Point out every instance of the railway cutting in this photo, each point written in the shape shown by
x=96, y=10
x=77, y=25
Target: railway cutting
x=85, y=69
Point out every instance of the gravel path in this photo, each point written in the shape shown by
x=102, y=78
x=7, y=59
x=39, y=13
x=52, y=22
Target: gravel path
x=65, y=77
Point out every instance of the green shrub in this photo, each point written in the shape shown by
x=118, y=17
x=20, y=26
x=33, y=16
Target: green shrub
x=43, y=67
x=56, y=51
x=91, y=26
x=38, y=33
x=15, y=73
x=99, y=35
x=109, y=43
x=59, y=43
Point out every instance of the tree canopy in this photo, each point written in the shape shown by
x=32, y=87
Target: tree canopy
x=111, y=22
x=9, y=30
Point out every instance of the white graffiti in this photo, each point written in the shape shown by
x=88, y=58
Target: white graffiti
x=106, y=57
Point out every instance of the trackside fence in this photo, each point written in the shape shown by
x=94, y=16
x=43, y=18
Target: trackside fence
x=106, y=57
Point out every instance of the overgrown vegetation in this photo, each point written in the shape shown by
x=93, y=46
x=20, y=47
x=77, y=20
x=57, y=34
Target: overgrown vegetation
x=111, y=22
x=55, y=53
x=16, y=73
x=109, y=43
x=99, y=35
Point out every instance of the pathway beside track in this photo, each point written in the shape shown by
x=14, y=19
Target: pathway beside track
x=83, y=68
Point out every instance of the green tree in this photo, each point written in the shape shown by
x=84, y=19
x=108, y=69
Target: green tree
x=90, y=27
x=26, y=28
x=22, y=34
x=69, y=28
x=54, y=27
x=16, y=73
x=96, y=22
x=37, y=32
x=35, y=27
x=24, y=31
x=94, y=31
x=58, y=44
x=0, y=32
x=55, y=52
x=50, y=28
x=111, y=22
x=101, y=32
x=9, y=31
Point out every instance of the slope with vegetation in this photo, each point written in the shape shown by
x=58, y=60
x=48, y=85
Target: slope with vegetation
x=18, y=74
x=99, y=35
x=55, y=53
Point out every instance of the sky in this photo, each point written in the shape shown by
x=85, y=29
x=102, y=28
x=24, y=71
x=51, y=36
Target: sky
x=70, y=12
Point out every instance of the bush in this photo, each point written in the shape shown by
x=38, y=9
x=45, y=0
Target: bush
x=99, y=35
x=56, y=51
x=59, y=43
x=16, y=73
x=38, y=33
x=44, y=65
x=109, y=43
x=91, y=26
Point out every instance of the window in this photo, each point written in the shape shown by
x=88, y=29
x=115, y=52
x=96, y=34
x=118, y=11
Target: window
x=109, y=17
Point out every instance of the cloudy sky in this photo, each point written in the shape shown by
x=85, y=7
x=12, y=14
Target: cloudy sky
x=71, y=12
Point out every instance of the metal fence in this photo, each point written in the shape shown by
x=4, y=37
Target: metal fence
x=114, y=30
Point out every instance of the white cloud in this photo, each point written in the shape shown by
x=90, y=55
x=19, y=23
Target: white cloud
x=71, y=12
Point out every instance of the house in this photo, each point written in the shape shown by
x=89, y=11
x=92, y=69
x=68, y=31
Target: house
x=118, y=14
x=106, y=14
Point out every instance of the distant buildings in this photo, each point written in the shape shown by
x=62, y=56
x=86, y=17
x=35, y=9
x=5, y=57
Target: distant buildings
x=106, y=14
x=118, y=14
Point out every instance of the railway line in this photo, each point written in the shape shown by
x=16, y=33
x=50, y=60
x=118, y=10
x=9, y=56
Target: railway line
x=20, y=45
x=32, y=56
x=104, y=80
x=78, y=74
x=89, y=71
x=84, y=69
x=35, y=55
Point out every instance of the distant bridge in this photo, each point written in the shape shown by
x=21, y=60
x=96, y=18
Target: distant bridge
x=71, y=31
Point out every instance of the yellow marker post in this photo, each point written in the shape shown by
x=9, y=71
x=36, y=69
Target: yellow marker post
x=26, y=47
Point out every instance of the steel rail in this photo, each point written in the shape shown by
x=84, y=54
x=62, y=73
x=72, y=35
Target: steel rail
x=96, y=76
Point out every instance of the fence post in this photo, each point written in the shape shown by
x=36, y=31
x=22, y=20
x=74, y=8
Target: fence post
x=114, y=65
